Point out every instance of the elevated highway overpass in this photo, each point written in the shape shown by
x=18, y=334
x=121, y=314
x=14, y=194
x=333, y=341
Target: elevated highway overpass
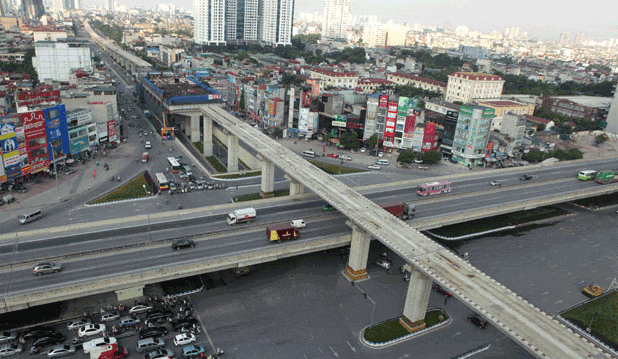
x=468, y=284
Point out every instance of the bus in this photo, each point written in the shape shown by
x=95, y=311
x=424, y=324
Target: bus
x=162, y=182
x=586, y=175
x=174, y=165
x=434, y=188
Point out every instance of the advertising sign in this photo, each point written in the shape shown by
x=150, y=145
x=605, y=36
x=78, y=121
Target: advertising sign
x=23, y=151
x=339, y=121
x=36, y=140
x=79, y=139
x=383, y=101
x=303, y=120
x=111, y=131
x=2, y=174
x=402, y=108
x=57, y=132
x=10, y=151
x=102, y=132
x=408, y=129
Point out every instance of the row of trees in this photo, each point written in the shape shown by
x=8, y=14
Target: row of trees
x=563, y=122
x=519, y=84
x=113, y=32
x=538, y=156
x=24, y=67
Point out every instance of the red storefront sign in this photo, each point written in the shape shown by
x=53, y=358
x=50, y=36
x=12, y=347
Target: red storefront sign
x=111, y=131
x=36, y=140
x=383, y=101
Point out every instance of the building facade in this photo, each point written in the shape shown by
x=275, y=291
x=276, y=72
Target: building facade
x=335, y=79
x=33, y=9
x=472, y=135
x=469, y=86
x=337, y=16
x=420, y=82
x=56, y=60
x=502, y=107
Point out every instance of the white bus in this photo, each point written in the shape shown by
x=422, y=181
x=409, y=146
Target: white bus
x=309, y=154
x=162, y=182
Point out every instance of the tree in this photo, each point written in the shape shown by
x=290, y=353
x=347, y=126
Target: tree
x=431, y=157
x=349, y=140
x=371, y=142
x=241, y=103
x=400, y=66
x=326, y=137
x=277, y=132
x=406, y=156
x=600, y=139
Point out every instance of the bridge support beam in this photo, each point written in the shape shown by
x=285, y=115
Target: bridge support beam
x=195, y=127
x=295, y=186
x=268, y=179
x=130, y=293
x=417, y=300
x=207, y=144
x=232, y=153
x=359, y=251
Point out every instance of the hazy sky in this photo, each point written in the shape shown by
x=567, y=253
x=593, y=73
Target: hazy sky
x=540, y=18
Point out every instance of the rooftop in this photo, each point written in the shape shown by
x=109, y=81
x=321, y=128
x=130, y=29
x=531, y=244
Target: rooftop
x=501, y=103
x=588, y=101
x=176, y=90
x=477, y=76
x=419, y=79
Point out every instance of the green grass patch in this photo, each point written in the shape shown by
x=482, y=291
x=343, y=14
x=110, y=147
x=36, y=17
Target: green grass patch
x=486, y=224
x=254, y=196
x=216, y=164
x=392, y=329
x=334, y=169
x=605, y=324
x=240, y=175
x=199, y=146
x=598, y=201
x=130, y=190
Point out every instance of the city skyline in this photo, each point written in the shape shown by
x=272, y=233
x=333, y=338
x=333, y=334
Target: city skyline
x=542, y=19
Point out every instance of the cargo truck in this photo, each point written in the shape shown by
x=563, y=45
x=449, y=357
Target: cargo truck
x=280, y=232
x=241, y=216
x=399, y=209
x=605, y=177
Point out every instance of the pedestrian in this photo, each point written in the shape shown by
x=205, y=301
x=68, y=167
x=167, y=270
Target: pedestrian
x=445, y=299
x=465, y=257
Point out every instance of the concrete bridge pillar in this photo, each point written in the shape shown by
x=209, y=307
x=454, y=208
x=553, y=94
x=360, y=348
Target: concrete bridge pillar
x=232, y=153
x=133, y=72
x=195, y=127
x=417, y=300
x=268, y=178
x=295, y=186
x=359, y=251
x=207, y=144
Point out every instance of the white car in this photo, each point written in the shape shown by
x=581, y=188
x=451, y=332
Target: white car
x=298, y=223
x=99, y=342
x=109, y=316
x=373, y=167
x=344, y=157
x=148, y=145
x=91, y=329
x=78, y=323
x=384, y=264
x=139, y=309
x=184, y=339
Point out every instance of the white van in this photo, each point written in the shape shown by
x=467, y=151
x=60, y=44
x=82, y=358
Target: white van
x=309, y=154
x=29, y=217
x=382, y=162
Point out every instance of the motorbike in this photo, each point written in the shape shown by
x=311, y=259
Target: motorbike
x=77, y=340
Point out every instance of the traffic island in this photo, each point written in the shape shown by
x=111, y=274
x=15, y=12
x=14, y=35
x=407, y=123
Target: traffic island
x=394, y=330
x=140, y=186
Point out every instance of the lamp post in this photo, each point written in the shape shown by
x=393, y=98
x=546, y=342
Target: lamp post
x=145, y=190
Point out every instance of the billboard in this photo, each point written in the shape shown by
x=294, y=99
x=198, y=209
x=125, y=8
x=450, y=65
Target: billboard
x=303, y=120
x=57, y=132
x=79, y=139
x=402, y=108
x=339, y=121
x=10, y=151
x=23, y=151
x=383, y=101
x=36, y=140
x=102, y=132
x=111, y=131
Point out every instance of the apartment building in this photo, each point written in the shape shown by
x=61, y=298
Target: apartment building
x=400, y=78
x=337, y=16
x=56, y=60
x=502, y=107
x=347, y=80
x=472, y=135
x=469, y=86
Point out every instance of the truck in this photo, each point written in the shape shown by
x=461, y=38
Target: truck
x=279, y=232
x=110, y=351
x=605, y=177
x=403, y=210
x=241, y=216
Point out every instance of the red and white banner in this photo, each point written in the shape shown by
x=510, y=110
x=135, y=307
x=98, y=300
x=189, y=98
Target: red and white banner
x=36, y=140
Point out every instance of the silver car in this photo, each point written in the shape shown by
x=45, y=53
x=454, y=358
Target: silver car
x=10, y=349
x=6, y=337
x=61, y=350
x=78, y=323
x=46, y=268
x=109, y=316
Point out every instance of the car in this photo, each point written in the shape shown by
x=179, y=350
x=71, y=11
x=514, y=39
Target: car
x=36, y=333
x=99, y=342
x=193, y=351
x=61, y=351
x=327, y=207
x=140, y=308
x=158, y=315
x=78, y=323
x=184, y=339
x=380, y=154
x=173, y=187
x=441, y=290
x=298, y=223
x=479, y=322
x=186, y=323
x=384, y=264
x=417, y=160
x=109, y=316
x=91, y=329
x=373, y=167
x=44, y=341
x=363, y=149
x=525, y=177
x=495, y=184
x=148, y=145
x=152, y=332
x=332, y=155
x=7, y=336
x=159, y=353
x=182, y=243
x=129, y=320
x=46, y=268
x=10, y=349
x=344, y=157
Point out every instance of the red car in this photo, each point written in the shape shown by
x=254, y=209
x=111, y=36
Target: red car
x=332, y=155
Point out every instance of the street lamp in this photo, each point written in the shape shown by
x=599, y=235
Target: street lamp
x=147, y=193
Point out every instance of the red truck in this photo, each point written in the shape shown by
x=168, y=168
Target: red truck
x=399, y=209
x=279, y=232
